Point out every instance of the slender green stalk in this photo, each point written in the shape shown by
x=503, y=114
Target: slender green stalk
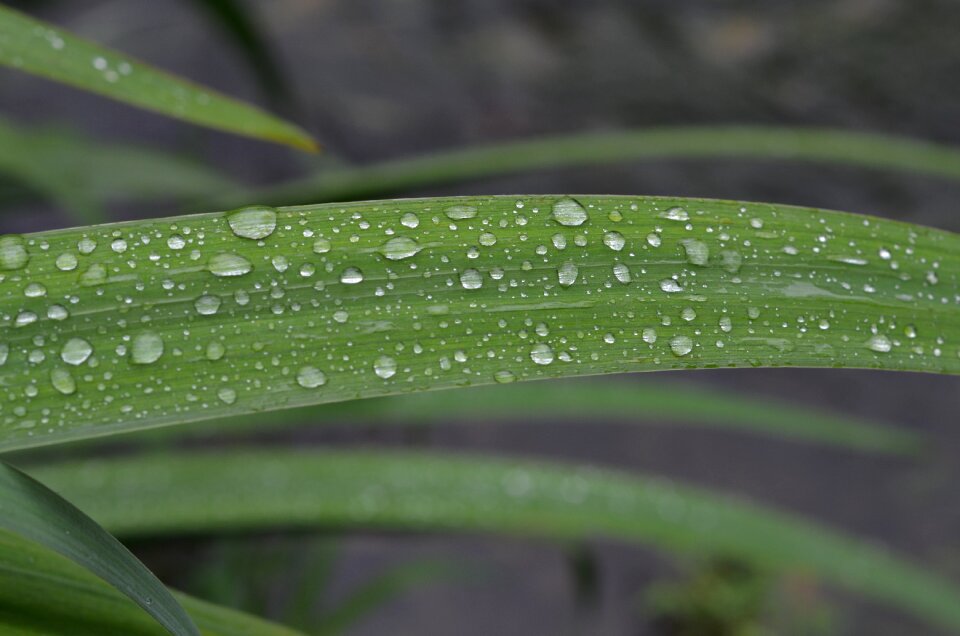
x=135, y=325
x=214, y=492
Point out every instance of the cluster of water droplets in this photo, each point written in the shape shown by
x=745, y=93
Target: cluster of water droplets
x=262, y=308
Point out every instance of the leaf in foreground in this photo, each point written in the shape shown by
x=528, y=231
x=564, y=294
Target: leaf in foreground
x=44, y=594
x=32, y=511
x=136, y=325
x=214, y=492
x=43, y=49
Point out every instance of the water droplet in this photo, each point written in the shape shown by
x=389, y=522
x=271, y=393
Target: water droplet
x=34, y=290
x=176, y=242
x=670, y=286
x=622, y=273
x=57, y=312
x=676, y=214
x=488, y=239
x=96, y=274
x=227, y=264
x=688, y=313
x=654, y=239
x=255, y=222
x=62, y=381
x=879, y=343
x=649, y=335
x=410, y=220
x=76, y=351
x=214, y=350
x=311, y=377
x=13, y=252
x=731, y=261
x=697, y=251
x=4, y=353
x=119, y=246
x=66, y=262
x=471, y=279
x=541, y=354
x=726, y=324
x=681, y=345
x=460, y=212
x=146, y=348
x=614, y=240
x=321, y=246
x=227, y=395
x=86, y=245
x=385, y=367
x=351, y=276
x=504, y=377
x=568, y=212
x=399, y=248
x=756, y=223
x=567, y=274
x=25, y=318
x=207, y=305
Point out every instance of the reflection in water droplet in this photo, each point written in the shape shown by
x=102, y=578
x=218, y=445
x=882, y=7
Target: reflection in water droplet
x=66, y=262
x=385, y=367
x=410, y=220
x=654, y=239
x=681, y=345
x=311, y=377
x=86, y=245
x=13, y=252
x=226, y=264
x=207, y=305
x=879, y=343
x=541, y=354
x=96, y=274
x=697, y=251
x=487, y=239
x=62, y=381
x=176, y=242
x=676, y=214
x=568, y=212
x=255, y=222
x=726, y=324
x=504, y=377
x=649, y=335
x=731, y=261
x=227, y=395
x=57, y=312
x=614, y=240
x=670, y=286
x=399, y=248
x=321, y=246
x=460, y=212
x=567, y=274
x=34, y=290
x=4, y=353
x=146, y=348
x=351, y=276
x=471, y=279
x=622, y=273
x=215, y=350
x=76, y=351
x=25, y=318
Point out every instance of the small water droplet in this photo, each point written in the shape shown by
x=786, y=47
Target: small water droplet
x=460, y=212
x=488, y=239
x=731, y=261
x=227, y=264
x=351, y=276
x=86, y=245
x=504, y=377
x=176, y=242
x=214, y=350
x=227, y=395
x=96, y=274
x=13, y=252
x=676, y=214
x=541, y=354
x=410, y=220
x=254, y=222
x=66, y=262
x=726, y=324
x=471, y=279
x=25, y=318
x=321, y=246
x=688, y=313
x=622, y=273
x=879, y=343
x=568, y=212
x=614, y=240
x=4, y=353
x=76, y=351
x=385, y=367
x=62, y=381
x=207, y=305
x=649, y=335
x=697, y=251
x=311, y=377
x=654, y=239
x=119, y=246
x=399, y=248
x=567, y=274
x=34, y=290
x=670, y=286
x=681, y=345
x=146, y=348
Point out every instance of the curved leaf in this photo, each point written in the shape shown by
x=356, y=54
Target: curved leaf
x=43, y=49
x=44, y=594
x=213, y=492
x=30, y=510
x=141, y=324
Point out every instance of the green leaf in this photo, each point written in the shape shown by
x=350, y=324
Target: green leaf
x=213, y=492
x=82, y=176
x=142, y=324
x=44, y=594
x=30, y=510
x=822, y=145
x=46, y=50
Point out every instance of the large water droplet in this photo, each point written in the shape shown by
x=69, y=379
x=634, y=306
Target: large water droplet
x=207, y=305
x=471, y=279
x=66, y=262
x=321, y=246
x=13, y=252
x=622, y=273
x=255, y=222
x=215, y=350
x=25, y=318
x=879, y=343
x=676, y=214
x=460, y=212
x=76, y=351
x=351, y=276
x=567, y=274
x=568, y=212
x=399, y=248
x=34, y=290
x=311, y=377
x=670, y=286
x=614, y=240
x=697, y=251
x=96, y=274
x=541, y=354
x=62, y=381
x=681, y=345
x=146, y=348
x=410, y=220
x=227, y=264
x=385, y=367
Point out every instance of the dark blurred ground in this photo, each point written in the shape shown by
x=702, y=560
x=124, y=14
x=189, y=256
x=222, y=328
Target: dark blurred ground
x=376, y=79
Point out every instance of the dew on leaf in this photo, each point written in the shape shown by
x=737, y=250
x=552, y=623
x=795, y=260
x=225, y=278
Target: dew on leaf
x=227, y=264
x=311, y=377
x=385, y=367
x=76, y=351
x=568, y=212
x=13, y=252
x=254, y=222
x=146, y=348
x=399, y=248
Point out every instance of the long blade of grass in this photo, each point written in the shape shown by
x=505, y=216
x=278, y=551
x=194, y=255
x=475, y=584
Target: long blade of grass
x=29, y=509
x=212, y=492
x=823, y=145
x=43, y=49
x=136, y=325
x=44, y=594
x=82, y=176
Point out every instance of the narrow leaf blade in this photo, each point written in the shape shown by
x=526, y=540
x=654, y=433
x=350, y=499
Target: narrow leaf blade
x=42, y=49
